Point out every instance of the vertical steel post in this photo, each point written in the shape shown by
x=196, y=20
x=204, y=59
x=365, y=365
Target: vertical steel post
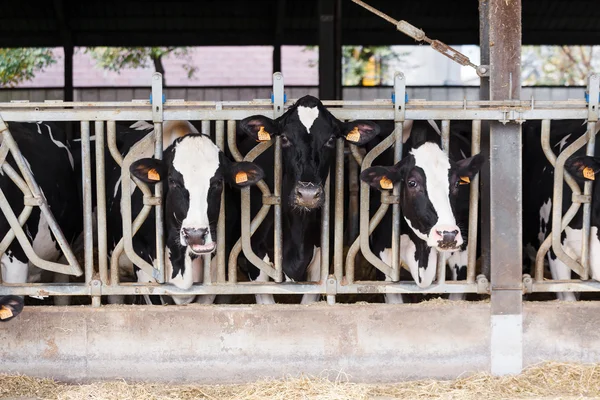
x=593, y=93
x=506, y=192
x=88, y=243
x=206, y=258
x=232, y=269
x=220, y=139
x=101, y=203
x=353, y=189
x=157, y=119
x=473, y=206
x=399, y=117
x=441, y=257
x=278, y=107
x=338, y=234
x=484, y=173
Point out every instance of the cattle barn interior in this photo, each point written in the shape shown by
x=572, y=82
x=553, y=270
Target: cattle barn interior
x=507, y=317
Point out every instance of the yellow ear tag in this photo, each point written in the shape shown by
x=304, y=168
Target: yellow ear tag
x=241, y=177
x=588, y=173
x=464, y=180
x=386, y=183
x=353, y=135
x=153, y=175
x=263, y=135
x=5, y=312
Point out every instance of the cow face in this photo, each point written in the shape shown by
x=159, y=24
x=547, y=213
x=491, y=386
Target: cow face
x=428, y=192
x=308, y=134
x=10, y=307
x=195, y=170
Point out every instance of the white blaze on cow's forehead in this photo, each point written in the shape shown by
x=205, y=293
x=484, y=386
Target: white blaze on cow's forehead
x=197, y=160
x=307, y=116
x=434, y=162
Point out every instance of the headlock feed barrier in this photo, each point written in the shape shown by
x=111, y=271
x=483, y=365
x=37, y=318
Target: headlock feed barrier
x=340, y=279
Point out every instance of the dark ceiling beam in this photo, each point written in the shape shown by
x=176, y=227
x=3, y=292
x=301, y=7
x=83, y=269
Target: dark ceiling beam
x=67, y=43
x=279, y=34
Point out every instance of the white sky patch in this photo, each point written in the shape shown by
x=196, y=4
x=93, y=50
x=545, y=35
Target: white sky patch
x=434, y=162
x=308, y=116
x=197, y=159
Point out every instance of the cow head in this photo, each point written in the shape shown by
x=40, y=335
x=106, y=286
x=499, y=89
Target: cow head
x=308, y=134
x=10, y=307
x=194, y=169
x=583, y=168
x=429, y=190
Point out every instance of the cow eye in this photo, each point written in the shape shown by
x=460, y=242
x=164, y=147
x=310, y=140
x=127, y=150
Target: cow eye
x=412, y=183
x=174, y=183
x=330, y=143
x=285, y=142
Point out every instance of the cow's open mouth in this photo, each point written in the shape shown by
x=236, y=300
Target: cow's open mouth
x=202, y=248
x=447, y=246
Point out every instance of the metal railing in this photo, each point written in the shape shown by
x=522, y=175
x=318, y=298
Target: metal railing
x=337, y=280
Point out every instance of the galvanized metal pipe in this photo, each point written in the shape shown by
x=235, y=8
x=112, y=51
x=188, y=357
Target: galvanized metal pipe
x=441, y=257
x=473, y=206
x=88, y=226
x=101, y=203
x=206, y=258
x=353, y=189
x=221, y=275
x=325, y=231
x=338, y=242
x=25, y=213
x=396, y=233
x=158, y=207
x=277, y=226
x=587, y=207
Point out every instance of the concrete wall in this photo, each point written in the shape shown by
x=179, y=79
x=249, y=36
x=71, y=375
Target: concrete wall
x=236, y=343
x=250, y=93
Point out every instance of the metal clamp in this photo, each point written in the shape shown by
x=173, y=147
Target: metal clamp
x=331, y=286
x=152, y=201
x=390, y=199
x=527, y=284
x=271, y=200
x=95, y=287
x=483, y=285
x=581, y=198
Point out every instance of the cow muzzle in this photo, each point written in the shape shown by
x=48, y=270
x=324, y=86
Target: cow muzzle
x=445, y=238
x=196, y=240
x=308, y=195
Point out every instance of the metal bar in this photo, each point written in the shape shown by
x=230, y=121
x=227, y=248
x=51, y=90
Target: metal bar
x=221, y=275
x=278, y=108
x=338, y=234
x=157, y=119
x=237, y=156
x=441, y=257
x=506, y=193
x=325, y=231
x=473, y=206
x=101, y=203
x=206, y=259
x=88, y=226
x=353, y=189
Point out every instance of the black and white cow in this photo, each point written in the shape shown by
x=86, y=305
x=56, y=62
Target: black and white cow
x=538, y=181
x=45, y=150
x=194, y=171
x=433, y=201
x=10, y=307
x=308, y=138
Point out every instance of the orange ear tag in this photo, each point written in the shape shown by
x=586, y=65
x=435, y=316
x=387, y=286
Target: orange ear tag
x=464, y=180
x=5, y=312
x=386, y=183
x=153, y=175
x=263, y=135
x=589, y=173
x=353, y=135
x=241, y=177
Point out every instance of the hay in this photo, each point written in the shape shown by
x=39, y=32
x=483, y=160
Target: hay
x=550, y=381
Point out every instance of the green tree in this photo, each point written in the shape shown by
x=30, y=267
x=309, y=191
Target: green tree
x=368, y=65
x=21, y=64
x=117, y=58
x=559, y=65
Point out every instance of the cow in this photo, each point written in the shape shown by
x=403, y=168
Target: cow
x=538, y=181
x=308, y=134
x=193, y=171
x=434, y=202
x=10, y=307
x=47, y=153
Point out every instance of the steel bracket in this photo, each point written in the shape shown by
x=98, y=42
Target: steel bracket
x=483, y=70
x=527, y=283
x=95, y=287
x=581, y=198
x=390, y=199
x=331, y=286
x=483, y=285
x=593, y=93
x=152, y=201
x=32, y=201
x=271, y=200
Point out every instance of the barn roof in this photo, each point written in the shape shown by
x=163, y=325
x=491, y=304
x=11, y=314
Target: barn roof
x=246, y=22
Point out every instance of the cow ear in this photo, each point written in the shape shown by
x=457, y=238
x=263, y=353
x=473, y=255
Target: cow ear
x=381, y=177
x=583, y=168
x=244, y=174
x=149, y=170
x=10, y=307
x=467, y=168
x=259, y=127
x=360, y=132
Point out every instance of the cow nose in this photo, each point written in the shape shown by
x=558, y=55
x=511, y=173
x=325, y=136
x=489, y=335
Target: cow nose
x=195, y=236
x=308, y=194
x=446, y=237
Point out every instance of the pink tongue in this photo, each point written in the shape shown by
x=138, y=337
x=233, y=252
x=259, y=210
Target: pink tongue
x=198, y=248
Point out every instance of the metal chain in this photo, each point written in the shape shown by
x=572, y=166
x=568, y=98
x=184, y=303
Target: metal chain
x=419, y=35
